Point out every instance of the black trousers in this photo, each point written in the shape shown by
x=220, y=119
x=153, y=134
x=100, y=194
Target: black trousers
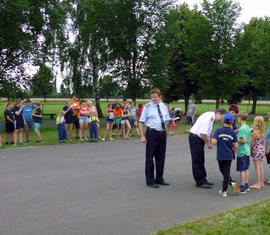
x=155, y=148
x=225, y=167
x=196, y=145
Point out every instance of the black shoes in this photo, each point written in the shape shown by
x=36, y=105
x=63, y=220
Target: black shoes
x=204, y=186
x=209, y=183
x=153, y=186
x=163, y=183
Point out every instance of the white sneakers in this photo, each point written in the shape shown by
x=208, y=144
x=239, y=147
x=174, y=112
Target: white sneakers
x=235, y=188
x=223, y=194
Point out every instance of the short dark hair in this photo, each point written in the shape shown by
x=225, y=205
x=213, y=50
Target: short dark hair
x=221, y=111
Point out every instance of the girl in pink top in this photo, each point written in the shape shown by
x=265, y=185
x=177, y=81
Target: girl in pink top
x=84, y=114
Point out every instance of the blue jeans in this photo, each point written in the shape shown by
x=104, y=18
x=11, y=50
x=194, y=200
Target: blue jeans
x=62, y=133
x=93, y=131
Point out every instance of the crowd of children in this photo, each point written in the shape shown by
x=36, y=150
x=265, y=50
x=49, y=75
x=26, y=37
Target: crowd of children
x=230, y=140
x=226, y=141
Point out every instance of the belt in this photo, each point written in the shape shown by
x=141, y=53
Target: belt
x=151, y=129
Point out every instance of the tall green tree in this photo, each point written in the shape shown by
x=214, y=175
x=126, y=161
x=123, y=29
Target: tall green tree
x=217, y=55
x=25, y=28
x=179, y=84
x=89, y=56
x=258, y=68
x=132, y=38
x=42, y=84
x=108, y=86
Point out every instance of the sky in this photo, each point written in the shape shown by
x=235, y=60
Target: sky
x=250, y=8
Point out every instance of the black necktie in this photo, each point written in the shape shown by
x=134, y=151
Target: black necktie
x=161, y=118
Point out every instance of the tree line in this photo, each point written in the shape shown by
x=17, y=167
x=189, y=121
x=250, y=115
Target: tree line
x=109, y=46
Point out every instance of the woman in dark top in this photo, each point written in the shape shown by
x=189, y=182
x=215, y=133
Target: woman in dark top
x=9, y=116
x=19, y=121
x=69, y=118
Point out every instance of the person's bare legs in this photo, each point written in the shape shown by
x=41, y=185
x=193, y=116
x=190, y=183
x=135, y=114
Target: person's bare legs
x=98, y=131
x=118, y=130
x=70, y=128
x=81, y=130
x=128, y=131
x=15, y=135
x=123, y=131
x=262, y=173
x=85, y=130
x=21, y=135
x=243, y=177
x=106, y=131
x=137, y=130
x=27, y=134
x=111, y=130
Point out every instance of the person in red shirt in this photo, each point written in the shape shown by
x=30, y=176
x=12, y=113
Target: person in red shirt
x=76, y=106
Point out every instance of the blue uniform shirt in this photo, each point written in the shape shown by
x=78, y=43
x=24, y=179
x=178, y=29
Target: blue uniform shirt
x=150, y=116
x=27, y=113
x=226, y=137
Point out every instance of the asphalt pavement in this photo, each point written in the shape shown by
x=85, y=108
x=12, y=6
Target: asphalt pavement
x=99, y=188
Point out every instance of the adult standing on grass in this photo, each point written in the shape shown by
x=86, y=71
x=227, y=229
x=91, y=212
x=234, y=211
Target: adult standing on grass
x=153, y=115
x=198, y=137
x=27, y=114
x=76, y=106
x=37, y=116
x=69, y=118
x=9, y=116
x=191, y=112
x=19, y=121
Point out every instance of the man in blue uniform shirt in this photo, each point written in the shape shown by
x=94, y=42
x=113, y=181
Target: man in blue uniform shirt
x=153, y=115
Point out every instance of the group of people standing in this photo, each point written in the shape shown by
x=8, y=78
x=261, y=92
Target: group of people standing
x=155, y=115
x=120, y=117
x=19, y=117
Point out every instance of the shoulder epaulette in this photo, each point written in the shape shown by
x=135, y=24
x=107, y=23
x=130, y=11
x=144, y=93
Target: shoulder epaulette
x=147, y=105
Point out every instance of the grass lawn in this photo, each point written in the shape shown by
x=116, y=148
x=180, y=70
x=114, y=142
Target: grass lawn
x=55, y=106
x=251, y=219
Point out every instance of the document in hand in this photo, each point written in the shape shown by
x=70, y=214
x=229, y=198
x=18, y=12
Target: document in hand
x=166, y=121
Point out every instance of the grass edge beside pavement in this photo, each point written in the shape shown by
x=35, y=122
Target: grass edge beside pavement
x=250, y=219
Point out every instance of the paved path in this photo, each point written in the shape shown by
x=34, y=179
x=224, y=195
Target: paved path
x=100, y=189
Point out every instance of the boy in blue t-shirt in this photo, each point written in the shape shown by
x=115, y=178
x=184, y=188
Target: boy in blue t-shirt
x=37, y=116
x=226, y=140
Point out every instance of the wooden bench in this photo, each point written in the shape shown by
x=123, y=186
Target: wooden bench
x=49, y=114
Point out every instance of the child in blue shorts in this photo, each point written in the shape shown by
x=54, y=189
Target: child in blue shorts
x=37, y=116
x=243, y=151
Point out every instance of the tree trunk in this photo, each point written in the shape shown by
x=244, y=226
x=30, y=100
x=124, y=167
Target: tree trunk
x=44, y=98
x=217, y=104
x=254, y=99
x=186, y=104
x=134, y=98
x=107, y=98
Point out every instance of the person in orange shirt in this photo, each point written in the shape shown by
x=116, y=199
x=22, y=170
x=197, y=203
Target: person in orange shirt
x=76, y=106
x=117, y=118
